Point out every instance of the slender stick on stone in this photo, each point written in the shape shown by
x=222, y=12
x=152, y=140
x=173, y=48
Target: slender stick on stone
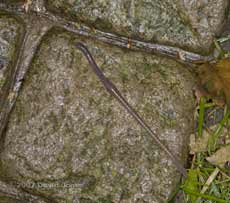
x=111, y=88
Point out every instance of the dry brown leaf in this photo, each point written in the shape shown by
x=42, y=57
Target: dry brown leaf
x=199, y=144
x=199, y=92
x=220, y=157
x=27, y=4
x=215, y=80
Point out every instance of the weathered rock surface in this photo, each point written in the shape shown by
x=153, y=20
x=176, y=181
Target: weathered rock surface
x=205, y=17
x=225, y=44
x=11, y=193
x=188, y=24
x=66, y=129
x=67, y=140
x=10, y=33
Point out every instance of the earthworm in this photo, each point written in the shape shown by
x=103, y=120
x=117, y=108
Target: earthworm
x=111, y=88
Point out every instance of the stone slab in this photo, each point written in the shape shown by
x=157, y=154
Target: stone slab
x=73, y=142
x=191, y=25
x=10, y=36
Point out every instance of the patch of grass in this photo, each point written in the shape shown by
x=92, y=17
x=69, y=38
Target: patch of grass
x=207, y=183
x=213, y=139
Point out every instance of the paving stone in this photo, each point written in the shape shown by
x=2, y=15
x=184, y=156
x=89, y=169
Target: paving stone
x=74, y=142
x=10, y=32
x=187, y=24
x=67, y=139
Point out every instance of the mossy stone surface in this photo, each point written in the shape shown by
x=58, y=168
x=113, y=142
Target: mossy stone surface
x=10, y=34
x=66, y=139
x=187, y=24
x=72, y=140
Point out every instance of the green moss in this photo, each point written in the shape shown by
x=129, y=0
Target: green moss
x=163, y=72
x=13, y=1
x=2, y=82
x=168, y=122
x=103, y=24
x=85, y=200
x=107, y=199
x=148, y=69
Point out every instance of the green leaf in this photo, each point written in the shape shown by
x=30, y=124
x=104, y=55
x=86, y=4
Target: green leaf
x=191, y=184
